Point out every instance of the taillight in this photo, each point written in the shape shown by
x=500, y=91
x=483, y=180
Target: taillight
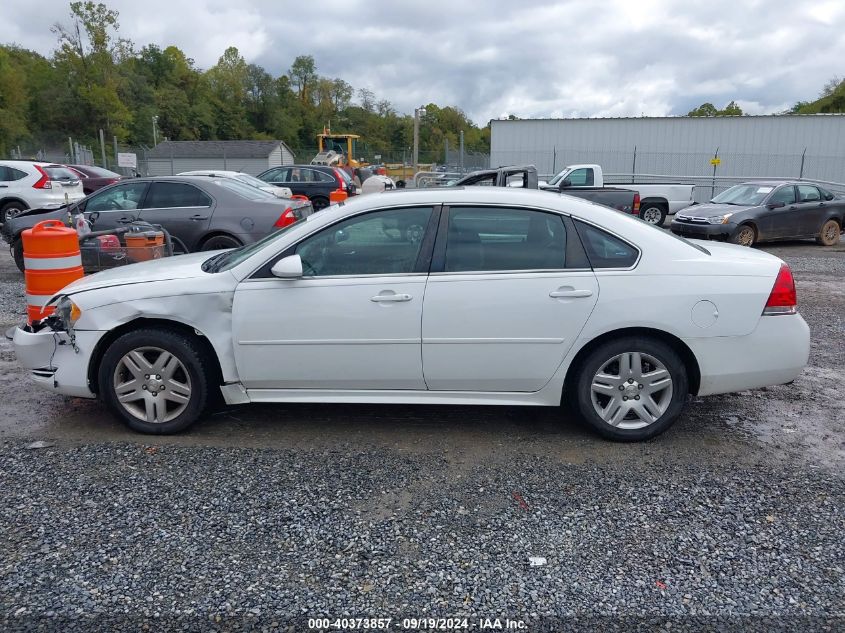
x=286, y=219
x=341, y=179
x=44, y=181
x=783, y=298
x=636, y=207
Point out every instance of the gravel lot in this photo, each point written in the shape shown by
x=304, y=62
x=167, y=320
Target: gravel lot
x=265, y=516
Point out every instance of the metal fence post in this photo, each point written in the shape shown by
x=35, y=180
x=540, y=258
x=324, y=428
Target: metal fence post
x=634, y=165
x=554, y=159
x=172, y=172
x=103, y=149
x=801, y=173
x=70, y=145
x=715, y=165
x=225, y=165
x=462, y=150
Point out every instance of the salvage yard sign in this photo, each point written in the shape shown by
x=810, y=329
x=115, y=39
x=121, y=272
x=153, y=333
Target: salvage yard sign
x=127, y=160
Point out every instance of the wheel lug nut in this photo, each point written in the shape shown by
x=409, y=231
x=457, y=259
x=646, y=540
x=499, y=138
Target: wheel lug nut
x=624, y=397
x=162, y=389
x=630, y=380
x=639, y=386
x=621, y=387
x=158, y=377
x=636, y=397
x=147, y=376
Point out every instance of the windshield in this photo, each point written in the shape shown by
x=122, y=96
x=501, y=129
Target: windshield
x=744, y=195
x=251, y=180
x=560, y=176
x=245, y=191
x=231, y=258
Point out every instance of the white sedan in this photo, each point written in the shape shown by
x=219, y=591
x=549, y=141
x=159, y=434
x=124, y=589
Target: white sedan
x=279, y=192
x=441, y=296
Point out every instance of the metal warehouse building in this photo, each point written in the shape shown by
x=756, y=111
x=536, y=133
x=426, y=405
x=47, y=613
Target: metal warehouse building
x=680, y=148
x=252, y=157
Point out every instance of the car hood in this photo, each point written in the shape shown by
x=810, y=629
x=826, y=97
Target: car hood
x=710, y=209
x=167, y=268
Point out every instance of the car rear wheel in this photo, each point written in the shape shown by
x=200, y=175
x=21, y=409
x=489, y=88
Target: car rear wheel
x=319, y=203
x=630, y=389
x=155, y=380
x=745, y=235
x=11, y=210
x=829, y=235
x=653, y=213
x=220, y=242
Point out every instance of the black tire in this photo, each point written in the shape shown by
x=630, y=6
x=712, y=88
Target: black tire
x=17, y=253
x=220, y=242
x=829, y=233
x=319, y=203
x=745, y=235
x=11, y=209
x=194, y=371
x=581, y=394
x=653, y=213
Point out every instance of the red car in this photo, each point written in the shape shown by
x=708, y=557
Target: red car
x=93, y=177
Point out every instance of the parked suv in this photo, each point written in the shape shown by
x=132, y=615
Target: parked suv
x=26, y=184
x=314, y=181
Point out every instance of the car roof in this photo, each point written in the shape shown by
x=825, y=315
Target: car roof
x=776, y=183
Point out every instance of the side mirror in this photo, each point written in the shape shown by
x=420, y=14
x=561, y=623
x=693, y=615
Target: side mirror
x=288, y=267
x=776, y=205
x=93, y=216
x=566, y=183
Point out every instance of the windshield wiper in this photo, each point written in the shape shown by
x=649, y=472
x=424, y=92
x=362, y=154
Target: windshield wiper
x=213, y=264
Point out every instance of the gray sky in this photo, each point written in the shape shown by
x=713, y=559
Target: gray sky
x=493, y=58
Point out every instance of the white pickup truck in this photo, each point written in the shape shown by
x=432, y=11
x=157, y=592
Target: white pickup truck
x=657, y=200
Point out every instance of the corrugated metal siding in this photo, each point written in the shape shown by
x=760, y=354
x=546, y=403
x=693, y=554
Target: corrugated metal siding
x=160, y=167
x=748, y=146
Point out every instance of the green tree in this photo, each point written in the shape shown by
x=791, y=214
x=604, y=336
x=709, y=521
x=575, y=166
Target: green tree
x=13, y=102
x=303, y=74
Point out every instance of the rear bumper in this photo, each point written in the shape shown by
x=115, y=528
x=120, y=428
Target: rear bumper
x=702, y=231
x=53, y=363
x=773, y=354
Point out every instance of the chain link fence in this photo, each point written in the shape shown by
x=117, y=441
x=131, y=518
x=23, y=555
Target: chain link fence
x=711, y=171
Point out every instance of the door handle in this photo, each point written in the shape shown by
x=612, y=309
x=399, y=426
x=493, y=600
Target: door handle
x=390, y=298
x=126, y=220
x=570, y=294
x=197, y=218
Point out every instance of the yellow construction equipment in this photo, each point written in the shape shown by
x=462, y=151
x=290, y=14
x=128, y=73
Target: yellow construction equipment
x=337, y=150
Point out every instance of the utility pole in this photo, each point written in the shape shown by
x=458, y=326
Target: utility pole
x=418, y=112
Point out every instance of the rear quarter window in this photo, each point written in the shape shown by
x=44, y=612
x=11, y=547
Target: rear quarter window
x=605, y=250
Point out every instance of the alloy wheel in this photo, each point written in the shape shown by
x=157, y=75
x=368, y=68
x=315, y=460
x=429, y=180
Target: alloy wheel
x=745, y=236
x=652, y=215
x=152, y=384
x=631, y=390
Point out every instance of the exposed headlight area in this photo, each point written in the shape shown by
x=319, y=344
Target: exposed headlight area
x=64, y=318
x=720, y=219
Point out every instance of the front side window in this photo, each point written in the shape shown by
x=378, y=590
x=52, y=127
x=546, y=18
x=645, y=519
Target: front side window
x=807, y=193
x=785, y=195
x=378, y=243
x=274, y=175
x=120, y=198
x=605, y=250
x=491, y=239
x=168, y=195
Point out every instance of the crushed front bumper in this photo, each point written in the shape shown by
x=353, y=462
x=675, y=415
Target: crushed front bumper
x=55, y=362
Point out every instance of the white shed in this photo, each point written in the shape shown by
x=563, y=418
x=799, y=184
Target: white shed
x=251, y=157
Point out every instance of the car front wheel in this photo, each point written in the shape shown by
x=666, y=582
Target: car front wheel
x=745, y=235
x=653, y=214
x=156, y=380
x=631, y=388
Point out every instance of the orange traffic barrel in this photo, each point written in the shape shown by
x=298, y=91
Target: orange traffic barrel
x=51, y=260
x=143, y=246
x=338, y=195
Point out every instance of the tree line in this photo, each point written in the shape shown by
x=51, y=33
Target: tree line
x=97, y=79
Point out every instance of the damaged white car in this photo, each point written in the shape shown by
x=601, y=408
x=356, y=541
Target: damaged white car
x=441, y=296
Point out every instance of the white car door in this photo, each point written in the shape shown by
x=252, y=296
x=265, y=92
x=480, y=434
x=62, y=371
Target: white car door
x=509, y=291
x=352, y=321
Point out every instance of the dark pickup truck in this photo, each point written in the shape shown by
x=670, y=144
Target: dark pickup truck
x=525, y=176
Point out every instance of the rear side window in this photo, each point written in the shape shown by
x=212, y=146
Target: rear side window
x=807, y=193
x=605, y=250
x=784, y=194
x=165, y=195
x=495, y=239
x=9, y=174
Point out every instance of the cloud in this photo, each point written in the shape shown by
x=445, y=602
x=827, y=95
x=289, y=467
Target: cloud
x=532, y=59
